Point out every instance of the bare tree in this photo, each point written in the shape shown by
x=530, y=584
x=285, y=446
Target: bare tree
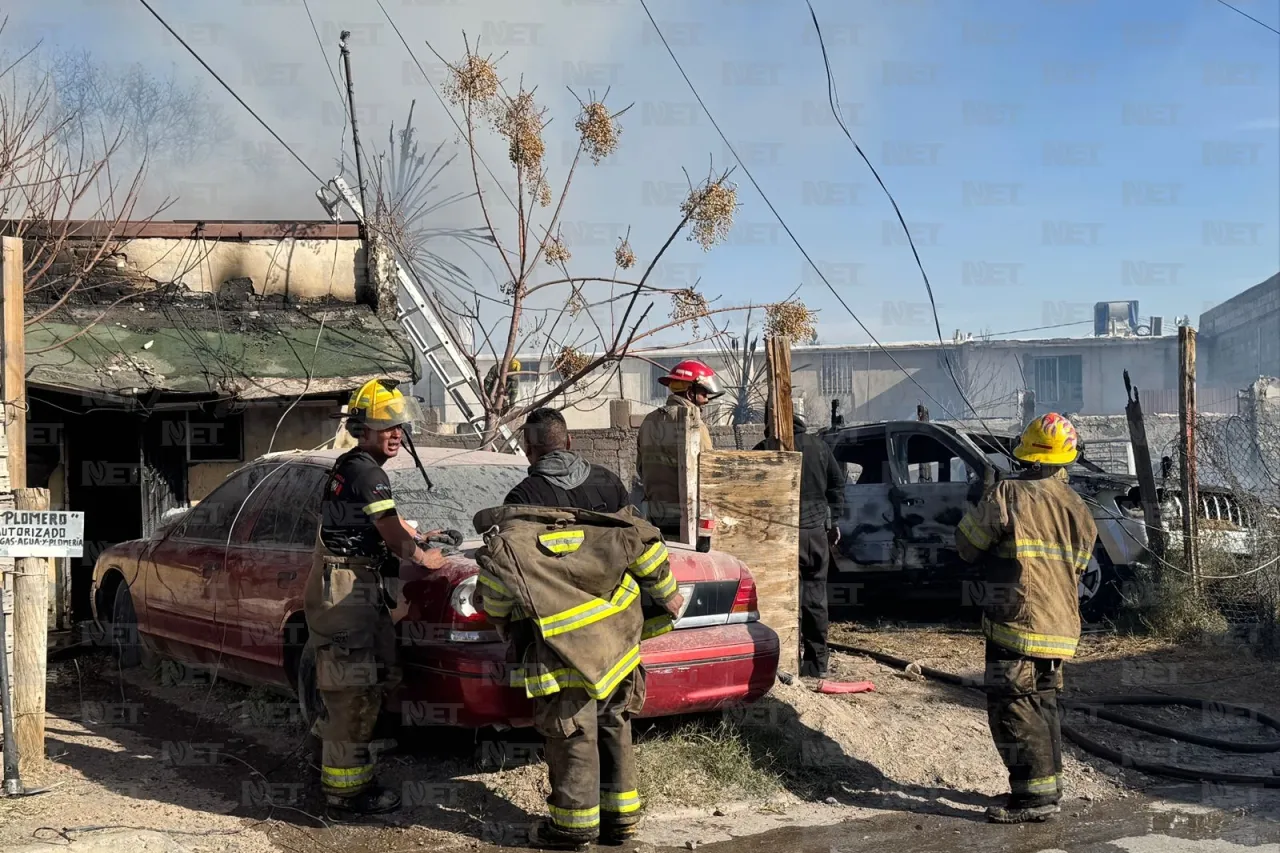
x=160, y=118
x=53, y=172
x=988, y=380
x=583, y=325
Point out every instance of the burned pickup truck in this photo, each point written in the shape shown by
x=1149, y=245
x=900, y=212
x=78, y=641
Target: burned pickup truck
x=910, y=483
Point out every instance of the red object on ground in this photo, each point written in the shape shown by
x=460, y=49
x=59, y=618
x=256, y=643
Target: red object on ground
x=845, y=687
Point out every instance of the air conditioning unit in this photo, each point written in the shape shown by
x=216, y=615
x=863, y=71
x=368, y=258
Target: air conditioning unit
x=1115, y=318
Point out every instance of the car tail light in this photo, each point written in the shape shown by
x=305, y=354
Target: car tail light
x=744, y=603
x=468, y=623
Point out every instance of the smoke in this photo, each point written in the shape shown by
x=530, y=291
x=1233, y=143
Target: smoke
x=756, y=64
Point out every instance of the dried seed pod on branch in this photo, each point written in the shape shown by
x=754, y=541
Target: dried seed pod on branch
x=584, y=325
x=791, y=319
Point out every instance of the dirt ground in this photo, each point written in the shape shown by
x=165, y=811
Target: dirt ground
x=223, y=767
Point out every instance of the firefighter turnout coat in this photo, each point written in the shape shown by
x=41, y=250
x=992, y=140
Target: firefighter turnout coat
x=577, y=576
x=1035, y=537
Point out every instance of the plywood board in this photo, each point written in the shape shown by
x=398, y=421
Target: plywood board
x=755, y=498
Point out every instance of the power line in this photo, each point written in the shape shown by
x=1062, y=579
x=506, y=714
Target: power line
x=782, y=221
x=447, y=111
x=1250, y=17
x=231, y=91
x=833, y=99
x=1042, y=328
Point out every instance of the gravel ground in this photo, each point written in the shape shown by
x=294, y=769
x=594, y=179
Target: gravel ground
x=225, y=767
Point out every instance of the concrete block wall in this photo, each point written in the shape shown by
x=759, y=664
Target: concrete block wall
x=615, y=447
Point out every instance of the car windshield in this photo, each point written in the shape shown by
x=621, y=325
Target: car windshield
x=458, y=493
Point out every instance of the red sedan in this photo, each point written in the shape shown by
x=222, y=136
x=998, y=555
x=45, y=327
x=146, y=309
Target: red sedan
x=222, y=587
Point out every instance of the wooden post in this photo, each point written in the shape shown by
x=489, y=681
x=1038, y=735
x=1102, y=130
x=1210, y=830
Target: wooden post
x=30, y=644
x=778, y=353
x=755, y=498
x=1146, y=474
x=691, y=440
x=1187, y=435
x=923, y=474
x=15, y=360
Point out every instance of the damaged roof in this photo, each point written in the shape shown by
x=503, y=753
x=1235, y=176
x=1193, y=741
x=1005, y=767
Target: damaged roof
x=199, y=346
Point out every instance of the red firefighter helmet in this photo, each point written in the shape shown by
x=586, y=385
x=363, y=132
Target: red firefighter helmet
x=692, y=372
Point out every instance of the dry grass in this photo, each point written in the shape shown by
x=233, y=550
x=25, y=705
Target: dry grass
x=699, y=762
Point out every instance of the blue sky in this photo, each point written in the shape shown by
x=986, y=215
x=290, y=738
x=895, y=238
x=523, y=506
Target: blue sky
x=1051, y=153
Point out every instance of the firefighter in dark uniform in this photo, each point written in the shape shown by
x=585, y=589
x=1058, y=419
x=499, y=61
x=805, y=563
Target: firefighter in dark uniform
x=361, y=542
x=1034, y=537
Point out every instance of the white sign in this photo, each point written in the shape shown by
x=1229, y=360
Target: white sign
x=25, y=533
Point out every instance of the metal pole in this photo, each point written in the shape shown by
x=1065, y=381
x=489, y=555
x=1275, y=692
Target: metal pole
x=12, y=781
x=355, y=130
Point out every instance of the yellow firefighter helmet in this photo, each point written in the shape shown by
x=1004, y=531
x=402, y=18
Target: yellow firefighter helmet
x=379, y=405
x=1049, y=440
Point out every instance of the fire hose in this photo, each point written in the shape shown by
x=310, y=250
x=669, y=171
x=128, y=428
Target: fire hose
x=1098, y=707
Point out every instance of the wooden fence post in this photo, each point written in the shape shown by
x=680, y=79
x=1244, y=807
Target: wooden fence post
x=30, y=644
x=1146, y=473
x=1187, y=434
x=691, y=440
x=780, y=426
x=14, y=358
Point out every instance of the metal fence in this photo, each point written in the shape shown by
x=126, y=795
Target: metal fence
x=1233, y=587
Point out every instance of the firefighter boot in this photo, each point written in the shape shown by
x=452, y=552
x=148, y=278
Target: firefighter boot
x=1023, y=814
x=544, y=835
x=373, y=800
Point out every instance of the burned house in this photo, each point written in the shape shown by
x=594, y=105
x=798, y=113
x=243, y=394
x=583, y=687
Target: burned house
x=187, y=349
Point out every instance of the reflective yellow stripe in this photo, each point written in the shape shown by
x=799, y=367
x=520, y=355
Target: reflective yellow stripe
x=575, y=818
x=564, y=678
x=346, y=777
x=562, y=541
x=973, y=531
x=666, y=587
x=624, y=803
x=590, y=612
x=1028, y=643
x=379, y=506
x=656, y=626
x=498, y=608
x=648, y=561
x=1048, y=550
x=494, y=584
x=1039, y=785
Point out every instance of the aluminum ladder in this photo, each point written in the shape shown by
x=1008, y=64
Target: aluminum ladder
x=443, y=357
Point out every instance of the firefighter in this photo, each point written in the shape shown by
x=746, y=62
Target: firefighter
x=565, y=585
x=658, y=449
x=1033, y=537
x=822, y=481
x=558, y=476
x=361, y=542
x=513, y=385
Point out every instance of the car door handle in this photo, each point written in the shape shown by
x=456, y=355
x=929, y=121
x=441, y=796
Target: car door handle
x=912, y=501
x=207, y=570
x=283, y=578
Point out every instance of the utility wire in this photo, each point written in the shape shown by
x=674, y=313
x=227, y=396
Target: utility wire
x=833, y=99
x=232, y=92
x=447, y=111
x=1250, y=17
x=782, y=221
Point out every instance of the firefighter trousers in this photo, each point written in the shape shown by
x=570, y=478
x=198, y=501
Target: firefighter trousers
x=815, y=551
x=590, y=760
x=1022, y=710
x=354, y=640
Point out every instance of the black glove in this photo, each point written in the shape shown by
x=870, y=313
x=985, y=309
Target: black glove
x=448, y=541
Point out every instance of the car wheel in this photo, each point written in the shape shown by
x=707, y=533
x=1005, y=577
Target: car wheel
x=1099, y=587
x=123, y=634
x=310, y=705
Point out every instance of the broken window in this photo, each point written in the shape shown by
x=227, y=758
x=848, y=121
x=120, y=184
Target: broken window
x=865, y=461
x=937, y=462
x=215, y=439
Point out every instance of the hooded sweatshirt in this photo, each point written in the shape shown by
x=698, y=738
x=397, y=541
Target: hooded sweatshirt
x=565, y=480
